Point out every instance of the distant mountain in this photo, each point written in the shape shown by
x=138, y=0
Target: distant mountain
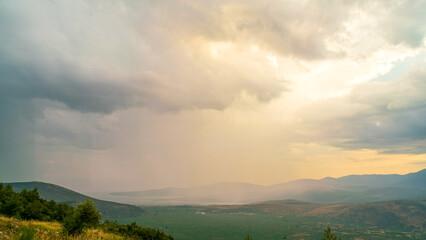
x=411, y=180
x=414, y=180
x=63, y=195
x=402, y=214
x=347, y=189
x=221, y=193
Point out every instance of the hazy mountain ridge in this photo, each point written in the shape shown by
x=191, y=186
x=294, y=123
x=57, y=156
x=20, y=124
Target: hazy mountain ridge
x=347, y=189
x=63, y=195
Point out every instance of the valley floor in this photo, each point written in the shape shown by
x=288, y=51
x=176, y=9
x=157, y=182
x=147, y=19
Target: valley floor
x=190, y=223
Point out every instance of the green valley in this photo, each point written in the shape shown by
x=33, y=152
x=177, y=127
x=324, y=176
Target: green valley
x=196, y=222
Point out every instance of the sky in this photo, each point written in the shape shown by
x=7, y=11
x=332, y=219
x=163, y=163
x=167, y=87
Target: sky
x=133, y=95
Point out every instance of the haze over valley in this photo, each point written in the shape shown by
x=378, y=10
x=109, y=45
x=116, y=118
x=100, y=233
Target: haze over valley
x=348, y=189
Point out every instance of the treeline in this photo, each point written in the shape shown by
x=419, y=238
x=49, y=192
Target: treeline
x=327, y=235
x=134, y=231
x=28, y=205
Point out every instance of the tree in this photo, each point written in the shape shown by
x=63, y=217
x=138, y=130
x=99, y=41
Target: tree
x=12, y=206
x=327, y=235
x=60, y=211
x=248, y=237
x=88, y=214
x=85, y=216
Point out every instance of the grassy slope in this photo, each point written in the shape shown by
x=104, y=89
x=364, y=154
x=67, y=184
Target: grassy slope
x=64, y=195
x=12, y=229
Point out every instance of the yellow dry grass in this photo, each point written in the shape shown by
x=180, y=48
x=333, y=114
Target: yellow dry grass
x=12, y=229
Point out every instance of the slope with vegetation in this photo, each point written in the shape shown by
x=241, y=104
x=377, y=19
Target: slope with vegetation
x=63, y=195
x=61, y=221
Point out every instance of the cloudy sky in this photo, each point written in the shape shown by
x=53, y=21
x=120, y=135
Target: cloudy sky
x=132, y=95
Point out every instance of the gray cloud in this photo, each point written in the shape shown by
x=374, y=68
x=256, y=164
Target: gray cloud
x=100, y=57
x=386, y=116
x=104, y=56
x=291, y=28
x=404, y=22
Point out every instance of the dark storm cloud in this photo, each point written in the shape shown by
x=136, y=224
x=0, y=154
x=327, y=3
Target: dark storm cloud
x=103, y=56
x=82, y=91
x=100, y=57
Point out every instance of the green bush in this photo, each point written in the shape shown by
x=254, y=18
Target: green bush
x=85, y=216
x=134, y=231
x=72, y=226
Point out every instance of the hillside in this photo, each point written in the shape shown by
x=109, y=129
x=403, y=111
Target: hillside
x=347, y=189
x=63, y=195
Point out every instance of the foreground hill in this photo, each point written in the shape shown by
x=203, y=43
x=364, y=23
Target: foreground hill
x=348, y=189
x=402, y=214
x=19, y=229
x=63, y=195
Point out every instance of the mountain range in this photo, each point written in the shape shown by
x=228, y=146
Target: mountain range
x=347, y=189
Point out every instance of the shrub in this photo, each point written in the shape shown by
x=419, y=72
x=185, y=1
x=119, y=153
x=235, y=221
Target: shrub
x=85, y=216
x=134, y=231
